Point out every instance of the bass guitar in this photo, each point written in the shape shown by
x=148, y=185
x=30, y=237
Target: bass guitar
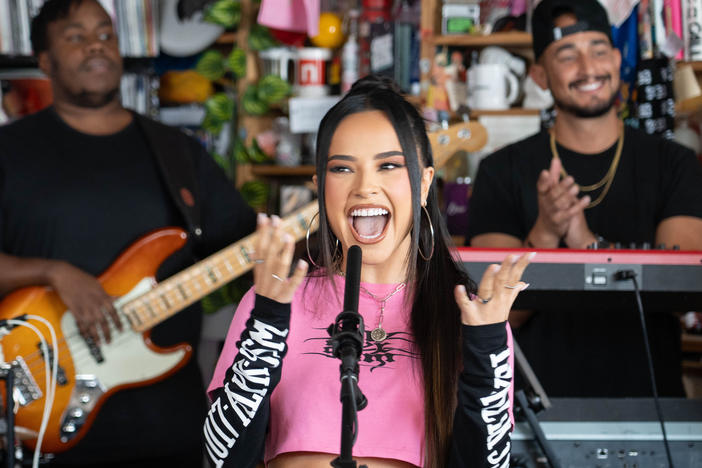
x=88, y=374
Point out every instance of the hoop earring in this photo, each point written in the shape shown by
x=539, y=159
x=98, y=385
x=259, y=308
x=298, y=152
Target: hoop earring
x=307, y=241
x=431, y=230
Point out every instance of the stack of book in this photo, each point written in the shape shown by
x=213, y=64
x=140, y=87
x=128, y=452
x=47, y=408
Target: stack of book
x=15, y=16
x=139, y=92
x=136, y=22
x=672, y=28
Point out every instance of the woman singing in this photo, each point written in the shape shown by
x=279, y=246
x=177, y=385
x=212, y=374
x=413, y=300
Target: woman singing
x=436, y=365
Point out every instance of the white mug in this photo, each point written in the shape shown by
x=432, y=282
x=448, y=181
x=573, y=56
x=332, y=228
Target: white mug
x=494, y=54
x=491, y=86
x=310, y=71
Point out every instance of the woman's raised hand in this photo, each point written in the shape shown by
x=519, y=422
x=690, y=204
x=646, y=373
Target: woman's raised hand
x=497, y=291
x=273, y=257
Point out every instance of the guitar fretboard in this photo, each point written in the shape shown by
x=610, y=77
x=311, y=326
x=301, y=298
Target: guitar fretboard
x=179, y=291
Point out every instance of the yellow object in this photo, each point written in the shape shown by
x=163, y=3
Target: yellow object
x=330, y=34
x=184, y=87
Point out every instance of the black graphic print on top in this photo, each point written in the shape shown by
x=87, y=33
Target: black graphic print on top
x=376, y=354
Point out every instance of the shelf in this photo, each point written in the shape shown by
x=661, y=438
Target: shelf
x=507, y=112
x=271, y=170
x=228, y=37
x=17, y=61
x=696, y=66
x=691, y=343
x=414, y=100
x=689, y=106
x=509, y=39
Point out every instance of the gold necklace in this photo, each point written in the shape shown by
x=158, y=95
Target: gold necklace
x=606, y=180
x=379, y=334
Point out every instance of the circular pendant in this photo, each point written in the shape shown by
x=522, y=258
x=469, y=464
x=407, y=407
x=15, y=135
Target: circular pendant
x=378, y=334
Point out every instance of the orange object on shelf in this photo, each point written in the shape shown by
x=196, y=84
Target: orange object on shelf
x=182, y=87
x=331, y=34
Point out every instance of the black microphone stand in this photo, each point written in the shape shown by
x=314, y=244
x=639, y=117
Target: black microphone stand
x=536, y=401
x=348, y=332
x=8, y=375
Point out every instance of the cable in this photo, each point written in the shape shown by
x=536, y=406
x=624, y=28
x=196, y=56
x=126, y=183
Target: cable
x=623, y=275
x=50, y=377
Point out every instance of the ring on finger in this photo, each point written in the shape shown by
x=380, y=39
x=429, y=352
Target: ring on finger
x=259, y=260
x=277, y=277
x=512, y=286
x=483, y=301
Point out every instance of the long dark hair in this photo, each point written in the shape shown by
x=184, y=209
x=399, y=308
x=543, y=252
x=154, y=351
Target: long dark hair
x=435, y=318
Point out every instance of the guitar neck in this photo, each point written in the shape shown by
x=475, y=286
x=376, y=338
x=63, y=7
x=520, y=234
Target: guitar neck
x=192, y=284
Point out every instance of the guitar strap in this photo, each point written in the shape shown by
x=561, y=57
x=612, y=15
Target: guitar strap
x=171, y=149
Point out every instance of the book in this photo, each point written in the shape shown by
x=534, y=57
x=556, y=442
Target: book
x=6, y=44
x=673, y=22
x=658, y=32
x=645, y=34
x=692, y=29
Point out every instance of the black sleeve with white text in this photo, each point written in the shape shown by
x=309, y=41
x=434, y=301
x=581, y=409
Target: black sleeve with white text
x=236, y=424
x=482, y=423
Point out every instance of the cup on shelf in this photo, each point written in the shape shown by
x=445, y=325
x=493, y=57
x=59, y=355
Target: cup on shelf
x=311, y=70
x=494, y=54
x=491, y=86
x=278, y=61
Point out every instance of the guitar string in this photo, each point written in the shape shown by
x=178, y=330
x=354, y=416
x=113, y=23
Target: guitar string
x=141, y=313
x=36, y=359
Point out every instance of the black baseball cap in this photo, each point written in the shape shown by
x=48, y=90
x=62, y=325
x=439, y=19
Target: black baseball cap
x=590, y=15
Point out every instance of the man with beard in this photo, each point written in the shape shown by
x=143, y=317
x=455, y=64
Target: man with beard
x=586, y=179
x=82, y=181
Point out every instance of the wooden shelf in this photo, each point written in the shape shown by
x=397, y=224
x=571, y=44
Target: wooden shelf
x=689, y=106
x=691, y=343
x=507, y=112
x=414, y=100
x=271, y=170
x=696, y=66
x=228, y=37
x=509, y=39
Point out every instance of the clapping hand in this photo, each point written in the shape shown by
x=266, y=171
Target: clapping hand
x=496, y=293
x=558, y=204
x=274, y=253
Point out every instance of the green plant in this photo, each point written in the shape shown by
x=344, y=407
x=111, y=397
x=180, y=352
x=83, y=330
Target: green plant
x=225, y=71
x=222, y=111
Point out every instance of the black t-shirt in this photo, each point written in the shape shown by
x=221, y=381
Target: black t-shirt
x=655, y=179
x=85, y=199
x=599, y=352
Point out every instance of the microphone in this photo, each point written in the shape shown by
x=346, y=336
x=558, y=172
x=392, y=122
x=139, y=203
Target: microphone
x=353, y=279
x=348, y=331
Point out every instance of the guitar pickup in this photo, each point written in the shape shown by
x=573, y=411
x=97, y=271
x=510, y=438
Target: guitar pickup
x=61, y=378
x=94, y=349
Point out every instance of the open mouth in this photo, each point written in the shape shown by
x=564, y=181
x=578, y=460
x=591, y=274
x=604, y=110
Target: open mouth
x=369, y=224
x=588, y=86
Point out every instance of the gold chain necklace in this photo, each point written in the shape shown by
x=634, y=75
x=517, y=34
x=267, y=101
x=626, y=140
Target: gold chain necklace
x=606, y=180
x=379, y=334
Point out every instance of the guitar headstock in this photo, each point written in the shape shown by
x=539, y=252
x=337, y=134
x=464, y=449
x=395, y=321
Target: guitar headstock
x=464, y=136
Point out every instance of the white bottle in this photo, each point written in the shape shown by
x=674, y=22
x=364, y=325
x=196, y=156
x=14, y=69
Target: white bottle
x=349, y=55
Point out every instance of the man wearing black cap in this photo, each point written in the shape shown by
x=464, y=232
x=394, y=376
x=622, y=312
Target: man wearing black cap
x=585, y=180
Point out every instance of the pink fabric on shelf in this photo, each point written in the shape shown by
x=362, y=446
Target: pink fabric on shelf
x=291, y=15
